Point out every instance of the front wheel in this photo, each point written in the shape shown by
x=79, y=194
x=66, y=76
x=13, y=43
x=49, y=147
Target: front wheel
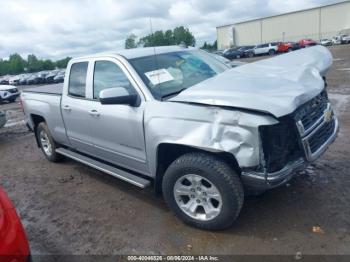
x=47, y=144
x=272, y=52
x=203, y=191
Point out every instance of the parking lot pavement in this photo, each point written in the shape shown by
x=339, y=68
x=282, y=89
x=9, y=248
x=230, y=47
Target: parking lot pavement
x=68, y=208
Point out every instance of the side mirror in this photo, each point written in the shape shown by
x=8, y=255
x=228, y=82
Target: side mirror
x=118, y=96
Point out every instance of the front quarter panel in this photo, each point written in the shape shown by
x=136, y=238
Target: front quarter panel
x=209, y=128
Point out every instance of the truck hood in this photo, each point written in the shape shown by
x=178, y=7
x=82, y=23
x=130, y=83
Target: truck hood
x=278, y=85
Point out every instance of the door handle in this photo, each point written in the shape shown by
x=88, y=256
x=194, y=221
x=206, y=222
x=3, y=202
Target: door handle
x=94, y=113
x=67, y=108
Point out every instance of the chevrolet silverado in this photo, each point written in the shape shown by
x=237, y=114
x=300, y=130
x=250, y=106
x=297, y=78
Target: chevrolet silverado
x=202, y=133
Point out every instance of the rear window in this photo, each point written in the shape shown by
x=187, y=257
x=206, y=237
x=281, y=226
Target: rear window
x=77, y=79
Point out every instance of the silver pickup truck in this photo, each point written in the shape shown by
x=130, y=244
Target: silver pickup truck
x=202, y=133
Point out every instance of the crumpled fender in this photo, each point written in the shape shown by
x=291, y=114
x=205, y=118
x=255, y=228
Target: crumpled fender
x=209, y=128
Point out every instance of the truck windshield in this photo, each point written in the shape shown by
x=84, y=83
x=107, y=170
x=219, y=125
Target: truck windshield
x=168, y=74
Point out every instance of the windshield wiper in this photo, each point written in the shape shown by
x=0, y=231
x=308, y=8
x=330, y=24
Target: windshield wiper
x=172, y=94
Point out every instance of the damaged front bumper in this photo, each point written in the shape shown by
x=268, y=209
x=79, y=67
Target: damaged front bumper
x=264, y=180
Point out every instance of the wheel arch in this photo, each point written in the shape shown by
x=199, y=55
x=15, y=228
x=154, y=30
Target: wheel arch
x=36, y=120
x=168, y=152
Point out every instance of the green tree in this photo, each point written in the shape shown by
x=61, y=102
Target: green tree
x=130, y=42
x=16, y=64
x=48, y=65
x=33, y=64
x=210, y=47
x=63, y=62
x=182, y=34
x=170, y=37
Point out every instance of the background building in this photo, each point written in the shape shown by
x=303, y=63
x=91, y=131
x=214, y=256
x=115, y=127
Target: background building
x=316, y=23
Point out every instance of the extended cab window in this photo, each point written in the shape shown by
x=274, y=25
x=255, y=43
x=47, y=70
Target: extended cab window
x=77, y=79
x=108, y=75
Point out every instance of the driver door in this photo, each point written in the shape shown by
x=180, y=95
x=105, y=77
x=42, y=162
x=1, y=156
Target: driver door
x=116, y=130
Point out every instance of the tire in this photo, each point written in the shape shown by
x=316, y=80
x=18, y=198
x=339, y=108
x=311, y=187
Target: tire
x=202, y=176
x=251, y=54
x=272, y=52
x=289, y=50
x=12, y=100
x=47, y=144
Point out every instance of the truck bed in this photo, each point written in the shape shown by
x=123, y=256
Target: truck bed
x=54, y=89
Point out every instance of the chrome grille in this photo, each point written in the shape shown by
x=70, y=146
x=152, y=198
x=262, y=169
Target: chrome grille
x=321, y=136
x=316, y=124
x=312, y=111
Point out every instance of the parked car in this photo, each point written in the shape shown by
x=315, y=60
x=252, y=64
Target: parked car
x=14, y=245
x=14, y=80
x=41, y=77
x=219, y=52
x=237, y=52
x=287, y=47
x=228, y=62
x=49, y=78
x=8, y=93
x=2, y=118
x=326, y=42
x=205, y=134
x=307, y=42
x=23, y=79
x=232, y=53
x=345, y=39
x=59, y=78
x=264, y=49
x=341, y=39
x=5, y=80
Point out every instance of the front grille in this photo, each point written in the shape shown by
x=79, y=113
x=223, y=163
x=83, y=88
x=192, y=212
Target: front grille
x=321, y=136
x=313, y=110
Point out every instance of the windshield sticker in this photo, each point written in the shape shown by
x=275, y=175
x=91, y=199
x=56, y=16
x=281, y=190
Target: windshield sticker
x=159, y=76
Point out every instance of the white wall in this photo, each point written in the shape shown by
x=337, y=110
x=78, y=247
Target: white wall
x=224, y=37
x=323, y=22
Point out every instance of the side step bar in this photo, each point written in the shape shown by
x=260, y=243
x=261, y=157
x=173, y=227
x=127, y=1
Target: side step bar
x=123, y=175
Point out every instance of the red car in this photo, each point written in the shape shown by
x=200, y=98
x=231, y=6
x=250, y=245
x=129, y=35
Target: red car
x=14, y=245
x=287, y=47
x=307, y=42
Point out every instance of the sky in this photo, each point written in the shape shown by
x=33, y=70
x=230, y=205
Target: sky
x=58, y=28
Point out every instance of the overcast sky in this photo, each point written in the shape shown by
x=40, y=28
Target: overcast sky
x=58, y=28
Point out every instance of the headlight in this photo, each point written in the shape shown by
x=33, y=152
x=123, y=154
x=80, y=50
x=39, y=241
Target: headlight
x=280, y=144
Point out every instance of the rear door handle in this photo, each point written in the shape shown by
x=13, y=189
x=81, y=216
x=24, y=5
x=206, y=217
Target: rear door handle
x=67, y=108
x=94, y=113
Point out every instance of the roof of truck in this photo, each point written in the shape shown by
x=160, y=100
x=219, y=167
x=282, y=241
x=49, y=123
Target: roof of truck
x=141, y=52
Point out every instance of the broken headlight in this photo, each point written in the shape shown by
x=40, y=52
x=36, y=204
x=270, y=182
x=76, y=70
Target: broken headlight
x=280, y=143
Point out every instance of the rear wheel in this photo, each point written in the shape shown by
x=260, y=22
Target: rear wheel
x=272, y=52
x=251, y=54
x=289, y=50
x=203, y=191
x=47, y=144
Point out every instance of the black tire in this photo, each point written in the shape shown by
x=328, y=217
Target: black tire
x=53, y=156
x=289, y=50
x=251, y=54
x=12, y=100
x=272, y=52
x=219, y=174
